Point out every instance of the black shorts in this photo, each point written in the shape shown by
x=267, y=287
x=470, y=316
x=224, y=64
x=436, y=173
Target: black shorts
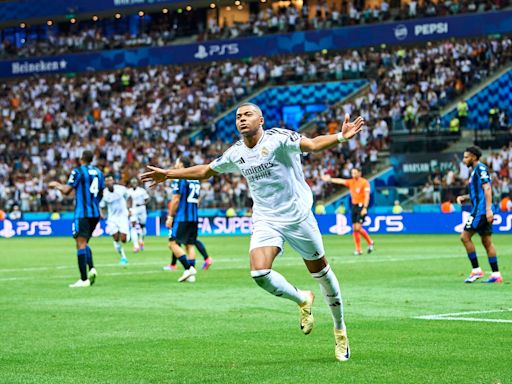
x=479, y=225
x=85, y=227
x=357, y=217
x=184, y=232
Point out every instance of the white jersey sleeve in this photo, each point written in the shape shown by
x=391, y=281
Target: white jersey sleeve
x=289, y=140
x=227, y=162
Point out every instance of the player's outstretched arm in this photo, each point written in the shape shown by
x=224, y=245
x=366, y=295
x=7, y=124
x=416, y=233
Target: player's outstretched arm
x=323, y=142
x=158, y=175
x=64, y=188
x=334, y=180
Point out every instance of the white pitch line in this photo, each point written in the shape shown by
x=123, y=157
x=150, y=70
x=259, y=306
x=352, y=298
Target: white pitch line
x=287, y=262
x=473, y=319
x=455, y=316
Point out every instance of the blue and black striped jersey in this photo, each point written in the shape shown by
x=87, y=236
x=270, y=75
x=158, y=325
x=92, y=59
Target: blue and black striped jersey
x=478, y=177
x=88, y=182
x=189, y=199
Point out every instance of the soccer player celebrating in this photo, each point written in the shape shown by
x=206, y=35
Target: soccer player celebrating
x=114, y=199
x=360, y=194
x=138, y=215
x=481, y=218
x=270, y=160
x=88, y=183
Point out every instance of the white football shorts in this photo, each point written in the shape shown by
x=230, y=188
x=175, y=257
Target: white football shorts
x=118, y=224
x=303, y=237
x=139, y=215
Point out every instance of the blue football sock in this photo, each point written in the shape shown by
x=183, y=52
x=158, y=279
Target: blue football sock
x=89, y=257
x=183, y=260
x=493, y=262
x=82, y=263
x=192, y=262
x=473, y=259
x=202, y=250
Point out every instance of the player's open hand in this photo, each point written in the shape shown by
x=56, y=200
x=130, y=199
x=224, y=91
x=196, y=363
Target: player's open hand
x=326, y=178
x=53, y=184
x=154, y=174
x=349, y=129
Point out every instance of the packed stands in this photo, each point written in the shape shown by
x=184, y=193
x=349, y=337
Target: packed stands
x=133, y=117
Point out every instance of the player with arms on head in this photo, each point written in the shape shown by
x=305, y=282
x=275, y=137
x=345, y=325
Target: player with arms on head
x=114, y=199
x=481, y=218
x=138, y=199
x=271, y=162
x=88, y=183
x=360, y=194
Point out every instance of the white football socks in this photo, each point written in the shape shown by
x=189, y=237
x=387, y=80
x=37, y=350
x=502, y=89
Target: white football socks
x=332, y=294
x=119, y=249
x=275, y=283
x=135, y=237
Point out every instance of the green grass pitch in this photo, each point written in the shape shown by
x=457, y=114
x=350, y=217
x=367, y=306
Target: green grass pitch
x=138, y=325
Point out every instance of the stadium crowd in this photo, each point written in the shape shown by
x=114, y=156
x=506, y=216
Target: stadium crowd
x=163, y=29
x=133, y=117
x=324, y=16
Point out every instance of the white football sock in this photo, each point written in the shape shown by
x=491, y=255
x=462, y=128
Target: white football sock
x=332, y=294
x=119, y=249
x=275, y=283
x=135, y=237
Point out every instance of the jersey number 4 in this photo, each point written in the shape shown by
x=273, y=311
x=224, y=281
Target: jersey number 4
x=93, y=189
x=193, y=196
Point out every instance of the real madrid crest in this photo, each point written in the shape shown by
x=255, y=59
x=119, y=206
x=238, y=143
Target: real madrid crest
x=264, y=152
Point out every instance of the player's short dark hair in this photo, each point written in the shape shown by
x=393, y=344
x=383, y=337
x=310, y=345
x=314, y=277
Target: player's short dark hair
x=109, y=176
x=357, y=169
x=87, y=156
x=475, y=151
x=185, y=161
x=251, y=105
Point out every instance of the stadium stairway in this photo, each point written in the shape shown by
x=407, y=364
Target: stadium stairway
x=497, y=88
x=271, y=98
x=499, y=84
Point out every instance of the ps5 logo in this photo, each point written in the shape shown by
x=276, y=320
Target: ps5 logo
x=25, y=228
x=390, y=223
x=216, y=50
x=400, y=32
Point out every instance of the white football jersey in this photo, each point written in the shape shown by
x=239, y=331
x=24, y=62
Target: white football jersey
x=115, y=201
x=139, y=196
x=274, y=173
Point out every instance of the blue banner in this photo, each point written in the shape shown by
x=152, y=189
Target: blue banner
x=406, y=223
x=27, y=9
x=299, y=42
x=410, y=223
x=63, y=227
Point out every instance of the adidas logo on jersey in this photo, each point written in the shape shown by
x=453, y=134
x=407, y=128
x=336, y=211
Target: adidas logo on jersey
x=241, y=161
